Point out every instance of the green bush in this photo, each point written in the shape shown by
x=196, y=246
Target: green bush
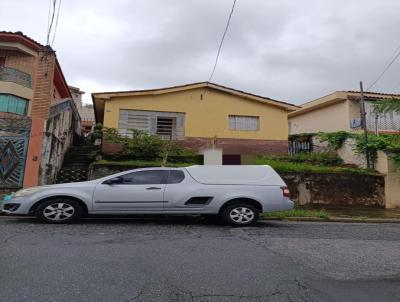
x=98, y=131
x=143, y=146
x=304, y=167
x=320, y=158
x=139, y=145
x=385, y=142
x=135, y=164
x=298, y=213
x=335, y=139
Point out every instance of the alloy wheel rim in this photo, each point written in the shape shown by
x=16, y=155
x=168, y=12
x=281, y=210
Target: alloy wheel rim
x=58, y=211
x=241, y=215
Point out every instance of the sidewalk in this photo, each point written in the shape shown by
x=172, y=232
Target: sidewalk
x=337, y=214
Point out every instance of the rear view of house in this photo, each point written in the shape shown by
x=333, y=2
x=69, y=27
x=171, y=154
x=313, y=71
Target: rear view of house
x=200, y=116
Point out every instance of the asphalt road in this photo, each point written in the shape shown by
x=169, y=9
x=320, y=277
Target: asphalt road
x=188, y=259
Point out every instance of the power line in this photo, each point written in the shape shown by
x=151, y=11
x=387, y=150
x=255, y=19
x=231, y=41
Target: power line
x=55, y=27
x=392, y=59
x=222, y=41
x=51, y=22
x=48, y=15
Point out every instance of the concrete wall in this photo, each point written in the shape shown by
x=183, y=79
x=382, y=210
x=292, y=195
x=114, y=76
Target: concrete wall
x=336, y=189
x=350, y=156
x=58, y=137
x=383, y=165
x=212, y=157
x=386, y=166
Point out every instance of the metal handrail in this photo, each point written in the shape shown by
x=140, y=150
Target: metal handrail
x=9, y=74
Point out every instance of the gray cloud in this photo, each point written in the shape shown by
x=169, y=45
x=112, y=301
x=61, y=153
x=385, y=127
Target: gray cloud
x=289, y=50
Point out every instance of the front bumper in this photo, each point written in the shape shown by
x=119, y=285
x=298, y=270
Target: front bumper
x=15, y=206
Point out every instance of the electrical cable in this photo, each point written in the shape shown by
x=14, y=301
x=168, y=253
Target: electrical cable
x=51, y=22
x=55, y=27
x=222, y=41
x=391, y=60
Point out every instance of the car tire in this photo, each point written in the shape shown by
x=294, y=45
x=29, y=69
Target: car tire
x=59, y=210
x=240, y=214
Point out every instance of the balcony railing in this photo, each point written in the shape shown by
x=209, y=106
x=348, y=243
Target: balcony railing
x=8, y=74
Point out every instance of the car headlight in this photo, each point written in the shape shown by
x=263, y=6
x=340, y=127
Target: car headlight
x=27, y=191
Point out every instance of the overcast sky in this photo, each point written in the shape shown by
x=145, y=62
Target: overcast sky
x=288, y=50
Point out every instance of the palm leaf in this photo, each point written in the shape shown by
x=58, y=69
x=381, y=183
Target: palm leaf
x=387, y=105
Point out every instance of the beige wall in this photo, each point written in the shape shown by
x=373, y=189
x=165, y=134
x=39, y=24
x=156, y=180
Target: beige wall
x=354, y=109
x=16, y=89
x=206, y=114
x=331, y=118
x=387, y=167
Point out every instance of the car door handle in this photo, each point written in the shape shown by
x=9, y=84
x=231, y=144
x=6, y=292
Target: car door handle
x=153, y=188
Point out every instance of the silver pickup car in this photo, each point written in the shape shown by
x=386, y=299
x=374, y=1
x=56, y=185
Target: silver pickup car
x=236, y=193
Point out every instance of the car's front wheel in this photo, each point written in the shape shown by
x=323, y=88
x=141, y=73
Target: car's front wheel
x=240, y=214
x=59, y=211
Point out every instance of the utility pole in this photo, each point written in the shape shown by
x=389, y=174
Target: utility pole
x=364, y=124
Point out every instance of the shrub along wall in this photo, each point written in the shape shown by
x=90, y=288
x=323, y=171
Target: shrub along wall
x=336, y=189
x=306, y=188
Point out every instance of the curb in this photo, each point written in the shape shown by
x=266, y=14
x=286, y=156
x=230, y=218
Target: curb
x=334, y=219
x=296, y=219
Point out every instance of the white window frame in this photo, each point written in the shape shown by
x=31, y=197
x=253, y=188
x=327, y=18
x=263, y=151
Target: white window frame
x=244, y=122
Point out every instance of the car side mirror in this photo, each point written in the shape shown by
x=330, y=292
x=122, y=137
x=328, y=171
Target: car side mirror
x=114, y=180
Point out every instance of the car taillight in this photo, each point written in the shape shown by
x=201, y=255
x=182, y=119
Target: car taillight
x=286, y=192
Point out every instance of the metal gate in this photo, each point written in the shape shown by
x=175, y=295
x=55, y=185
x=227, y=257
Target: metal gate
x=14, y=138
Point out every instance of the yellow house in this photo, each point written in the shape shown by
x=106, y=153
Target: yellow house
x=200, y=115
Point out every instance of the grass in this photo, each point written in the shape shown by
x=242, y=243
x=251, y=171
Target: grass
x=298, y=213
x=286, y=166
x=140, y=163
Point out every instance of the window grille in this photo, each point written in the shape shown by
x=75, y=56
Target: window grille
x=168, y=125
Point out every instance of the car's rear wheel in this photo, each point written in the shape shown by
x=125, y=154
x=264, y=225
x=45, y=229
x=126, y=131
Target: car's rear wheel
x=59, y=211
x=240, y=214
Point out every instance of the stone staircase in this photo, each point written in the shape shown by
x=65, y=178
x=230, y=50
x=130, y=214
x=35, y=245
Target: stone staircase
x=76, y=164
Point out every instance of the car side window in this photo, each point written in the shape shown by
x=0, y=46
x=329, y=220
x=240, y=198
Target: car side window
x=151, y=177
x=175, y=177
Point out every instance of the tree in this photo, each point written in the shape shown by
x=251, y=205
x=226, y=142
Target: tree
x=387, y=105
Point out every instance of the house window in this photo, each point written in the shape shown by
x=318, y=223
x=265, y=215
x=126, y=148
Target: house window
x=2, y=62
x=244, y=123
x=13, y=104
x=166, y=126
x=152, y=177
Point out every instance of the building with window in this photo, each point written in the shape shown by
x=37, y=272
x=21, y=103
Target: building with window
x=200, y=116
x=85, y=110
x=38, y=118
x=340, y=111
